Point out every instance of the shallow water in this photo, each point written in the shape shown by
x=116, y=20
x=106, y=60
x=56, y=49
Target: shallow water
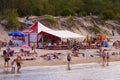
x=92, y=71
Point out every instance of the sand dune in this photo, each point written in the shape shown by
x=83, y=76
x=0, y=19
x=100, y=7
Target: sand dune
x=4, y=34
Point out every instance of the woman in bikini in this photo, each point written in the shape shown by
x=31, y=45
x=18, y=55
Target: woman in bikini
x=68, y=59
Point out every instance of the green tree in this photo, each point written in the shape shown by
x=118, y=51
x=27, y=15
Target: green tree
x=57, y=7
x=11, y=16
x=67, y=12
x=108, y=14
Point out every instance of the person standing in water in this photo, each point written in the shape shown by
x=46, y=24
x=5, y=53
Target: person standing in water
x=13, y=63
x=104, y=57
x=108, y=57
x=68, y=59
x=18, y=62
x=6, y=58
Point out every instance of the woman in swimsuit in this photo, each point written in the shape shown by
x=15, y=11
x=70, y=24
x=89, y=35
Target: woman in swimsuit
x=68, y=59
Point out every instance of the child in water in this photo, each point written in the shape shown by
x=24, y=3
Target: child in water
x=13, y=63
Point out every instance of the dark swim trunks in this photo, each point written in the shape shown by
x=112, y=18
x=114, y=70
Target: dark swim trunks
x=18, y=64
x=68, y=59
x=6, y=60
x=108, y=57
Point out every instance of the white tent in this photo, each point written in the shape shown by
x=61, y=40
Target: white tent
x=60, y=33
x=36, y=29
x=64, y=34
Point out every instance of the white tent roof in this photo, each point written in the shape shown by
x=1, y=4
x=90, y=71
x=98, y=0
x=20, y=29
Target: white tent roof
x=61, y=33
x=68, y=34
x=41, y=27
x=38, y=27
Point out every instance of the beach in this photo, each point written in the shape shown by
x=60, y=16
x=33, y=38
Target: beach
x=39, y=61
x=88, y=67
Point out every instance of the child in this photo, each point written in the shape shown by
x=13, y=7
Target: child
x=108, y=57
x=104, y=56
x=18, y=62
x=13, y=65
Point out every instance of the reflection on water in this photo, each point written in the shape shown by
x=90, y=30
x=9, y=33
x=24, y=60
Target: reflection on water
x=92, y=71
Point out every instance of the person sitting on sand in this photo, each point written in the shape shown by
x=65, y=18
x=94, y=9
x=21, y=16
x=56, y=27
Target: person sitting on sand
x=18, y=62
x=55, y=56
x=23, y=52
x=8, y=48
x=116, y=44
x=49, y=57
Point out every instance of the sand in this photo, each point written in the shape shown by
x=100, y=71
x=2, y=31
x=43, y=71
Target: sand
x=4, y=34
x=62, y=61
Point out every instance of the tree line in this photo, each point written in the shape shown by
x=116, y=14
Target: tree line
x=106, y=9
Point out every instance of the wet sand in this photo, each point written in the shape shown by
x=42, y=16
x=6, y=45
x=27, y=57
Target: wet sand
x=89, y=71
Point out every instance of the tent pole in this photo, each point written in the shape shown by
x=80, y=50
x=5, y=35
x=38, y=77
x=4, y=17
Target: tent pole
x=37, y=40
x=29, y=39
x=42, y=39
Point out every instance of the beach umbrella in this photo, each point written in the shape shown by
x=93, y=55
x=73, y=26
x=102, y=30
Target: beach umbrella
x=25, y=46
x=17, y=33
x=105, y=43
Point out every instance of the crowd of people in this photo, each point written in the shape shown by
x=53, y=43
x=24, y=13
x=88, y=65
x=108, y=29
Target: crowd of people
x=15, y=62
x=52, y=56
x=73, y=45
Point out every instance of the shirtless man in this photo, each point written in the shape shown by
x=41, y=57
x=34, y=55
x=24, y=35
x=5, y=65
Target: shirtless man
x=18, y=62
x=6, y=58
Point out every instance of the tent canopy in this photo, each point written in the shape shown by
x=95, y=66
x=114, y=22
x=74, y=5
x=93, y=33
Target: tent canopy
x=35, y=28
x=62, y=34
x=39, y=29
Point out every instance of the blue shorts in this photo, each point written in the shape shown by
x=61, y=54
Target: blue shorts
x=68, y=59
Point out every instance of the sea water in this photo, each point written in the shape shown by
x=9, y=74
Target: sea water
x=90, y=71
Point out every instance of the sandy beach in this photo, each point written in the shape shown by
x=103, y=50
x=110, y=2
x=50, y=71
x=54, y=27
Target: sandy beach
x=62, y=61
